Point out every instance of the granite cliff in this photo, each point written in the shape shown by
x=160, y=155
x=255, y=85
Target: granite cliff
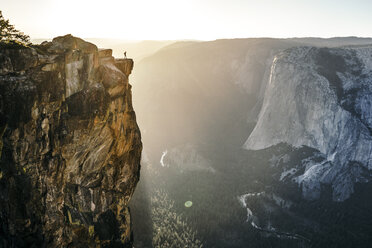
x=70, y=146
x=320, y=98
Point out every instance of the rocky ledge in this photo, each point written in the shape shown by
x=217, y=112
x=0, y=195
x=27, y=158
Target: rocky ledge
x=70, y=146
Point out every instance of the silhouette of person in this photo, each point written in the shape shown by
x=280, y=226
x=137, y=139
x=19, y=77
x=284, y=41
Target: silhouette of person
x=125, y=54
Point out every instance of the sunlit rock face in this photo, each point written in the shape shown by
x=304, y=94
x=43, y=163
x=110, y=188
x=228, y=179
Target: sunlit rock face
x=321, y=98
x=70, y=146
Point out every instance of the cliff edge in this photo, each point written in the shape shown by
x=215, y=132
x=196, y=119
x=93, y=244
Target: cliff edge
x=70, y=146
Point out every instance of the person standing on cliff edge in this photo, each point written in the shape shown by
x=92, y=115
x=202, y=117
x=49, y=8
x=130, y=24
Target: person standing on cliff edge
x=125, y=54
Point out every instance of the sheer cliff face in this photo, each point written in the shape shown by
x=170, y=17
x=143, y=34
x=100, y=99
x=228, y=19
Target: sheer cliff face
x=190, y=93
x=320, y=98
x=70, y=146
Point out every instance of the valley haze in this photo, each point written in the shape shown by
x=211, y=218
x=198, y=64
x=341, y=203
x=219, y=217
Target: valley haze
x=186, y=123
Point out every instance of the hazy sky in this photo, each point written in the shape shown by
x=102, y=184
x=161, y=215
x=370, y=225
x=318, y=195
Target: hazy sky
x=190, y=19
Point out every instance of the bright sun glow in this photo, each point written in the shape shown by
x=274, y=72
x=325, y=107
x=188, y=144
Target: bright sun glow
x=189, y=19
x=140, y=19
x=133, y=19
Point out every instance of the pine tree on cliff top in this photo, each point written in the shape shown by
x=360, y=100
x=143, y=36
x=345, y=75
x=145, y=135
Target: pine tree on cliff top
x=10, y=35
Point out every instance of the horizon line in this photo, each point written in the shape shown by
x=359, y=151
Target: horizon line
x=191, y=39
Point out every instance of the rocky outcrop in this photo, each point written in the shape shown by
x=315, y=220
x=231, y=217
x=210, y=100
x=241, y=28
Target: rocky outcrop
x=70, y=146
x=321, y=98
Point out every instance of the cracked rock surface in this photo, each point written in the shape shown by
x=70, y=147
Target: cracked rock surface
x=70, y=146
